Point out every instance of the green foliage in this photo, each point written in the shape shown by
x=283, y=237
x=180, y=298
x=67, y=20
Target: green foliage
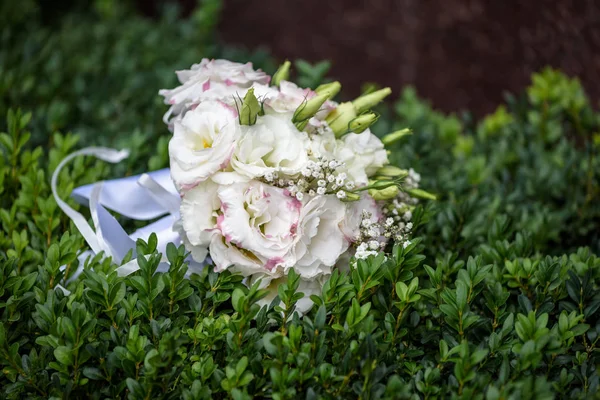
x=533, y=166
x=497, y=297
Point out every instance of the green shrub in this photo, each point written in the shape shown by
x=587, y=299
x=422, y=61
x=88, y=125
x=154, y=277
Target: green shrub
x=497, y=297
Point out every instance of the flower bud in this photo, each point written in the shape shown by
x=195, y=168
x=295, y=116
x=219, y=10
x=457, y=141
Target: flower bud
x=282, y=73
x=392, y=171
x=333, y=88
x=381, y=184
x=309, y=108
x=350, y=196
x=250, y=109
x=384, y=194
x=421, y=194
x=362, y=122
x=367, y=101
x=395, y=136
x=339, y=118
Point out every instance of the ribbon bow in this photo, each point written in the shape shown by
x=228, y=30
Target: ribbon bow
x=142, y=197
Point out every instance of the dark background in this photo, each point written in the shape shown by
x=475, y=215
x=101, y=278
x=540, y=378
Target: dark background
x=460, y=54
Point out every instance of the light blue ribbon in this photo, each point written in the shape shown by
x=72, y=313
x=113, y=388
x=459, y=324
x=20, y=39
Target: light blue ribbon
x=142, y=197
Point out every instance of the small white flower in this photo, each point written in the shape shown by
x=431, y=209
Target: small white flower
x=333, y=164
x=269, y=177
x=322, y=183
x=306, y=172
x=374, y=245
x=339, y=181
x=321, y=190
x=341, y=194
x=389, y=222
x=281, y=182
x=299, y=196
x=316, y=174
x=409, y=226
x=406, y=244
x=301, y=182
x=349, y=185
x=311, y=192
x=331, y=178
x=407, y=216
x=366, y=223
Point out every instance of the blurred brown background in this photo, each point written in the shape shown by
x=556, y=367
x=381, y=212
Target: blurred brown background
x=460, y=54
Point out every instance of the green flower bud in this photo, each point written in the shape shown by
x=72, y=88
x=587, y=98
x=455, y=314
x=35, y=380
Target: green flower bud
x=384, y=194
x=395, y=136
x=309, y=108
x=350, y=196
x=282, y=73
x=421, y=194
x=392, y=172
x=250, y=109
x=333, y=88
x=367, y=101
x=362, y=122
x=339, y=118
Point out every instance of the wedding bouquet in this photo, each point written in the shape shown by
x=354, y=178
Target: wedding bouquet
x=270, y=176
x=275, y=176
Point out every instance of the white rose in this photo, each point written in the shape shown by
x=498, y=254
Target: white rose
x=211, y=80
x=363, y=154
x=273, y=144
x=262, y=220
x=306, y=286
x=320, y=240
x=199, y=214
x=324, y=145
x=202, y=144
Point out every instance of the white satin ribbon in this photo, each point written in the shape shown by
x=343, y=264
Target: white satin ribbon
x=141, y=197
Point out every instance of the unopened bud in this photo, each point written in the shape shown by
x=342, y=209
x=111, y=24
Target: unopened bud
x=395, y=136
x=282, y=73
x=370, y=100
x=421, y=194
x=350, y=196
x=339, y=118
x=309, y=108
x=392, y=171
x=384, y=194
x=250, y=108
x=333, y=88
x=362, y=122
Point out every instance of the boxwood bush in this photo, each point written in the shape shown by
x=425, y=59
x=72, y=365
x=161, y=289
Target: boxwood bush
x=497, y=297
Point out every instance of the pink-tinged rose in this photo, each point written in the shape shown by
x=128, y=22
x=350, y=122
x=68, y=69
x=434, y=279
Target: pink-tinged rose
x=262, y=220
x=211, y=80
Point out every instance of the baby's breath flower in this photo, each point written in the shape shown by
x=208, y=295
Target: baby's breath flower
x=341, y=194
x=321, y=190
x=299, y=196
x=322, y=183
